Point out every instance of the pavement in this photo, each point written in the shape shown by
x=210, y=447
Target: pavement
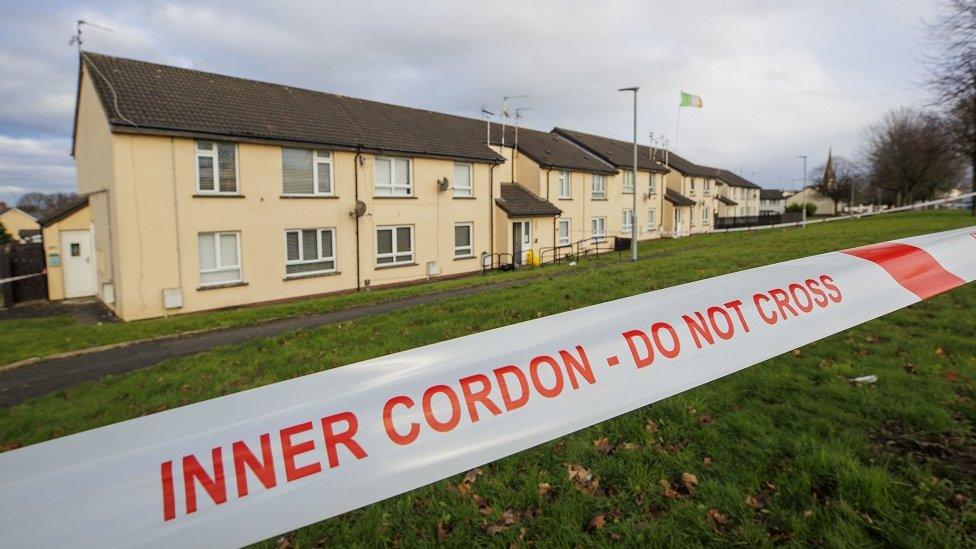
x=40, y=378
x=85, y=310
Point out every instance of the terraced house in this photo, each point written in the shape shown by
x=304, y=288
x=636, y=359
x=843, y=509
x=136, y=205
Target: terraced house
x=207, y=191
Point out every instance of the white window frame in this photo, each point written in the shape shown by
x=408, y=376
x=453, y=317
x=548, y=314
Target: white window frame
x=651, y=184
x=393, y=185
x=691, y=187
x=706, y=188
x=628, y=185
x=465, y=192
x=650, y=219
x=317, y=162
x=564, y=181
x=214, y=155
x=704, y=216
x=598, y=235
x=624, y=226
x=561, y=241
x=462, y=252
x=218, y=266
x=600, y=193
x=301, y=252
x=393, y=242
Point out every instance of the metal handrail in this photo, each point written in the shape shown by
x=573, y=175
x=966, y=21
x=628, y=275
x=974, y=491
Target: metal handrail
x=580, y=248
x=497, y=261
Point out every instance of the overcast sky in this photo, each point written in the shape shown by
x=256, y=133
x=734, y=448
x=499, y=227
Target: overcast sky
x=778, y=78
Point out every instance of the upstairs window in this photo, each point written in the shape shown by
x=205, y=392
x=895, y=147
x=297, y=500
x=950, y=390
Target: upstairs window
x=216, y=167
x=653, y=183
x=309, y=251
x=706, y=189
x=462, y=181
x=598, y=188
x=564, y=189
x=691, y=188
x=628, y=187
x=392, y=177
x=306, y=173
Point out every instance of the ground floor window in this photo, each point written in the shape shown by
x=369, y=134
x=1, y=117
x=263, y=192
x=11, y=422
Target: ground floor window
x=463, y=246
x=598, y=228
x=650, y=219
x=309, y=251
x=394, y=245
x=562, y=232
x=627, y=220
x=220, y=258
x=705, y=214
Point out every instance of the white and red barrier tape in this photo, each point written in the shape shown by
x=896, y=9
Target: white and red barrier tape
x=21, y=277
x=248, y=466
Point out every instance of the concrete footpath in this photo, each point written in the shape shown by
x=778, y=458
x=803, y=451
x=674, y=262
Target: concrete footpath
x=41, y=378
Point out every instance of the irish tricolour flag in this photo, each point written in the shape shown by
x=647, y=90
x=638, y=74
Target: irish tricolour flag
x=689, y=100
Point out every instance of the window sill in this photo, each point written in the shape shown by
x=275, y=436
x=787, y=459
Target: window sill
x=411, y=197
x=465, y=257
x=464, y=197
x=300, y=196
x=310, y=275
x=395, y=265
x=217, y=195
x=219, y=286
x=598, y=199
x=565, y=198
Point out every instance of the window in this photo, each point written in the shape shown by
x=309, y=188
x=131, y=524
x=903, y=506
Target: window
x=653, y=182
x=650, y=219
x=220, y=258
x=564, y=189
x=598, y=228
x=627, y=220
x=628, y=182
x=309, y=251
x=75, y=249
x=562, y=232
x=462, y=180
x=691, y=188
x=599, y=187
x=705, y=187
x=392, y=177
x=463, y=246
x=216, y=167
x=691, y=215
x=704, y=216
x=394, y=245
x=306, y=173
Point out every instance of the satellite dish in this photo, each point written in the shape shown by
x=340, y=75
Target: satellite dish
x=360, y=209
x=443, y=184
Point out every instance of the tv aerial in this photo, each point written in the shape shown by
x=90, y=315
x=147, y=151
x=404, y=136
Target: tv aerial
x=76, y=37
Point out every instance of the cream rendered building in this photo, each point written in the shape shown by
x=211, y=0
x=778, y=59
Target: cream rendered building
x=16, y=220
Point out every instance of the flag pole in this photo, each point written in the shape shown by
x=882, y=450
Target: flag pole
x=677, y=126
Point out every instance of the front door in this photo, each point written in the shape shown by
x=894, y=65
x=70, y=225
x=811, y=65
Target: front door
x=521, y=240
x=77, y=266
x=677, y=222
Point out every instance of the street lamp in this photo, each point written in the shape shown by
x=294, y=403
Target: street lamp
x=803, y=188
x=633, y=216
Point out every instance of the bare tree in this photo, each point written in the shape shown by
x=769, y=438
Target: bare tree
x=834, y=179
x=41, y=205
x=952, y=74
x=911, y=155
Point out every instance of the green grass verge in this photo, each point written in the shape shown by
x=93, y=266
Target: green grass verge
x=785, y=452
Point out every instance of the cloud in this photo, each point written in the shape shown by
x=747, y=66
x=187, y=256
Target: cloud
x=778, y=79
x=32, y=164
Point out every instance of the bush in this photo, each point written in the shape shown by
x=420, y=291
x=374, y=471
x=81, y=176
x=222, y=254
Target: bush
x=797, y=208
x=4, y=235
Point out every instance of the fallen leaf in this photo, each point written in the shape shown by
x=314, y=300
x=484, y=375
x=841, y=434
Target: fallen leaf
x=754, y=502
x=808, y=513
x=652, y=426
x=494, y=528
x=603, y=445
x=704, y=420
x=939, y=351
x=718, y=517
x=796, y=352
x=707, y=460
x=472, y=475
x=630, y=446
x=615, y=536
x=597, y=522
x=667, y=491
x=509, y=516
x=544, y=488
x=690, y=481
x=282, y=543
x=442, y=532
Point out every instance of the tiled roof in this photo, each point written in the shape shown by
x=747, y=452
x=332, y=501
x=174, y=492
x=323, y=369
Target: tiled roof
x=169, y=100
x=517, y=201
x=548, y=149
x=677, y=198
x=65, y=211
x=771, y=194
x=736, y=180
x=727, y=201
x=689, y=168
x=616, y=152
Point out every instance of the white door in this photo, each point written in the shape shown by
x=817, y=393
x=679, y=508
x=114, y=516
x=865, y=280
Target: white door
x=77, y=264
x=677, y=222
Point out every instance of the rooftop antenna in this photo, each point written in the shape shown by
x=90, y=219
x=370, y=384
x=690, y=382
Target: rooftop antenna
x=76, y=38
x=488, y=114
x=515, y=155
x=504, y=112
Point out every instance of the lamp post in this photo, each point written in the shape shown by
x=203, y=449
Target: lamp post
x=633, y=216
x=803, y=206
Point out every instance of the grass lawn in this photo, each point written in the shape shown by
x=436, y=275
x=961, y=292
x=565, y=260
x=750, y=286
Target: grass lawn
x=785, y=452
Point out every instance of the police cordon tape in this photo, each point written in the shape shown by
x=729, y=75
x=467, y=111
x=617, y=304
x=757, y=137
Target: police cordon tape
x=21, y=277
x=248, y=466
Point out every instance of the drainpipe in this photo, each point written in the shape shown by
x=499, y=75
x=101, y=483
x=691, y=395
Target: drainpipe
x=491, y=210
x=355, y=171
x=548, y=172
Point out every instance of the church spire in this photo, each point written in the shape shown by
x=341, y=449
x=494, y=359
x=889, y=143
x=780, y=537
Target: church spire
x=829, y=177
